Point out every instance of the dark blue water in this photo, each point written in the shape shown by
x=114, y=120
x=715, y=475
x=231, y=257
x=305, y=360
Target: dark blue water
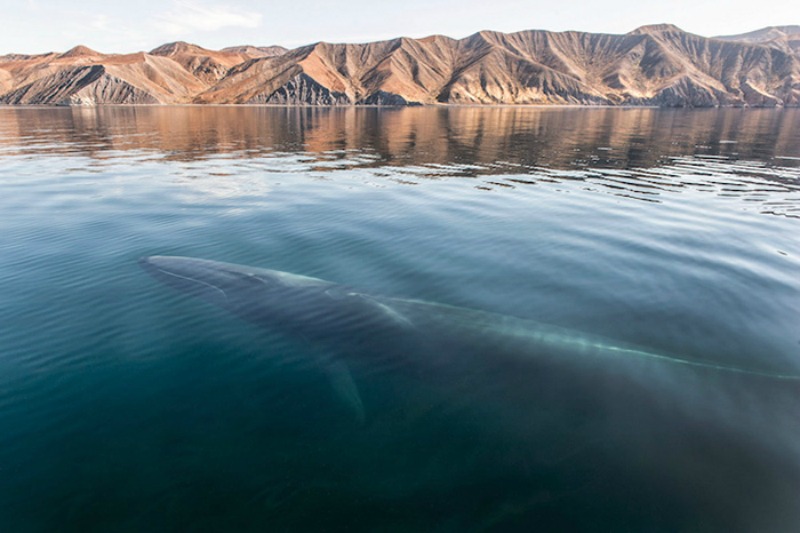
x=128, y=406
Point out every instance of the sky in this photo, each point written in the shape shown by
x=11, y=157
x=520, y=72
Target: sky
x=36, y=26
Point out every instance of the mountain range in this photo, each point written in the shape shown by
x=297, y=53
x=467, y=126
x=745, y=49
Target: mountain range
x=658, y=65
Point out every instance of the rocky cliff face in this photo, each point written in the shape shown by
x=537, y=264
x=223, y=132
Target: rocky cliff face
x=653, y=65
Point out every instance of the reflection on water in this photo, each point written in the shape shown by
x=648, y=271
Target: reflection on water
x=125, y=405
x=490, y=138
x=635, y=152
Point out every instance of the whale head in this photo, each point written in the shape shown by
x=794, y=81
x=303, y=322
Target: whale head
x=298, y=304
x=255, y=294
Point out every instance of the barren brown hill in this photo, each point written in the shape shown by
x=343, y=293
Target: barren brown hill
x=781, y=37
x=100, y=79
x=764, y=35
x=652, y=65
x=207, y=65
x=399, y=71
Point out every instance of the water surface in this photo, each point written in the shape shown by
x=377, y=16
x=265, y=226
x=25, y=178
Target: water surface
x=126, y=406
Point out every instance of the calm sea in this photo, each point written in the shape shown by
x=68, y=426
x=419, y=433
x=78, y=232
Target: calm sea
x=127, y=406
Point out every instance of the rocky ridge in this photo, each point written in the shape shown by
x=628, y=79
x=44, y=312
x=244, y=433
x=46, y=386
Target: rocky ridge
x=657, y=65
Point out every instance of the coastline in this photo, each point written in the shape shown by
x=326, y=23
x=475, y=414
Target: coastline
x=376, y=106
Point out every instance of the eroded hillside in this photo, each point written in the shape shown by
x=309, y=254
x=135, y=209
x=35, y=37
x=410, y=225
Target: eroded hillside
x=653, y=65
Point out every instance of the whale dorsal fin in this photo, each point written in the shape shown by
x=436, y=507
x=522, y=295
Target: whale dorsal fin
x=345, y=388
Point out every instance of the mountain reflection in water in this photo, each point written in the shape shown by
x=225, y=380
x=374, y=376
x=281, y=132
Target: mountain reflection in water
x=623, y=152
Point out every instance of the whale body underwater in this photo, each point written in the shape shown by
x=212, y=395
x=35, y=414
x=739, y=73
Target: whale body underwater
x=642, y=415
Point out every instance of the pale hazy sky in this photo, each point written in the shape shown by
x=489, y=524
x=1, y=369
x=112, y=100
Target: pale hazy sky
x=33, y=26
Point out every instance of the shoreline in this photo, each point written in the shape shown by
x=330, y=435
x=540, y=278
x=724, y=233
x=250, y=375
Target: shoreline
x=394, y=107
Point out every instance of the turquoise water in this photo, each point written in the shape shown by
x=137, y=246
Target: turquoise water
x=128, y=406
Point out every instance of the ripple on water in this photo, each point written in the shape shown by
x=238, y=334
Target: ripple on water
x=122, y=402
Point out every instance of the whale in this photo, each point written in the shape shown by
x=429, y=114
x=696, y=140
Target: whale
x=395, y=331
x=625, y=411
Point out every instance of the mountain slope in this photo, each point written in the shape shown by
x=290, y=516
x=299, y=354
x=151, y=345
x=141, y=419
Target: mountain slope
x=652, y=65
x=207, y=65
x=764, y=35
x=99, y=79
x=785, y=38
